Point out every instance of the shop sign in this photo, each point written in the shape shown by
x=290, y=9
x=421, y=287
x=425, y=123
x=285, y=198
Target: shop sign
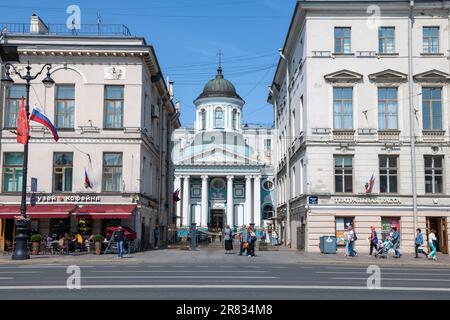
x=70, y=198
x=386, y=201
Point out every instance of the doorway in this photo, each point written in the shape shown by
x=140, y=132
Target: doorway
x=439, y=224
x=217, y=219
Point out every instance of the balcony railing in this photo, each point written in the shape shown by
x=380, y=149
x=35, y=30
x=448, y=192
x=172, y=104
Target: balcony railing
x=62, y=29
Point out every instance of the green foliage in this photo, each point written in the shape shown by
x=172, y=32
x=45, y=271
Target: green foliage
x=98, y=238
x=36, y=238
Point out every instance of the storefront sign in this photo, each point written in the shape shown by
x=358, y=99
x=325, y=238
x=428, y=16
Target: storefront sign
x=387, y=201
x=71, y=198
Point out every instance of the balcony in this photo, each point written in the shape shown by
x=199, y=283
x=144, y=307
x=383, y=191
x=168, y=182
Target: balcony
x=388, y=135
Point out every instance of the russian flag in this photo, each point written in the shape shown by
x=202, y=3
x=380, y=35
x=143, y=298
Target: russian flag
x=38, y=116
x=369, y=185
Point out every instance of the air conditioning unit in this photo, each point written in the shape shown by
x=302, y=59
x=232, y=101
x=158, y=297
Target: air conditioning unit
x=155, y=111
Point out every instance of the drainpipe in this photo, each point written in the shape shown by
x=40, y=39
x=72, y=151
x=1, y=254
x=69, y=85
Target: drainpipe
x=288, y=156
x=412, y=112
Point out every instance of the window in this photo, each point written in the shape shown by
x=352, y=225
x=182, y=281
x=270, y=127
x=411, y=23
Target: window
x=267, y=145
x=13, y=100
x=432, y=108
x=388, y=174
x=12, y=172
x=430, y=39
x=112, y=172
x=434, y=174
x=387, y=108
x=342, y=40
x=234, y=119
x=65, y=106
x=218, y=116
x=386, y=40
x=343, y=108
x=343, y=174
x=62, y=172
x=342, y=224
x=114, y=107
x=203, y=119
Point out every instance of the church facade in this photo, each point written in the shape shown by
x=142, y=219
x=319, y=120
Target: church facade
x=223, y=170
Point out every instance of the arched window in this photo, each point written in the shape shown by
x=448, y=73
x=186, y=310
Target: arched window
x=203, y=119
x=268, y=211
x=235, y=119
x=218, y=117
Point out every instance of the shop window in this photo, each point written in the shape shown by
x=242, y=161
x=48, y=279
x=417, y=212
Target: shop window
x=386, y=225
x=342, y=223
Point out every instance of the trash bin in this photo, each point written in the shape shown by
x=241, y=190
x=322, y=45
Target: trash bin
x=328, y=244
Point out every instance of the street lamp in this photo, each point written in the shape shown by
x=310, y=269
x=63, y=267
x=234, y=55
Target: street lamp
x=21, y=248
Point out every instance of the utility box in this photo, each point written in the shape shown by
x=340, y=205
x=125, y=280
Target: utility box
x=328, y=244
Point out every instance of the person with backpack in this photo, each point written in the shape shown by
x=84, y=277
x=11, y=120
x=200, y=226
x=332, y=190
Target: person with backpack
x=373, y=240
x=396, y=242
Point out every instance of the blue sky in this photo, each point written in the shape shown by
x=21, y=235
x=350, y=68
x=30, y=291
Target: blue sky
x=187, y=36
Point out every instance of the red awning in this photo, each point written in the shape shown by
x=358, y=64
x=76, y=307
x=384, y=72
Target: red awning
x=37, y=212
x=105, y=211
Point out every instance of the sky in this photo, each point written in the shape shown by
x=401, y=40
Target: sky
x=187, y=37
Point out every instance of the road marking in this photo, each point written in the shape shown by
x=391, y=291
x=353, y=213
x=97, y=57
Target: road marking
x=252, y=267
x=50, y=267
x=391, y=269
x=20, y=272
x=6, y=278
x=279, y=267
x=226, y=267
x=245, y=286
x=170, y=271
x=178, y=267
x=179, y=277
x=395, y=279
x=205, y=267
x=384, y=273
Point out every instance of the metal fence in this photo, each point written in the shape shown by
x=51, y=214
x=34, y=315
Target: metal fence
x=63, y=29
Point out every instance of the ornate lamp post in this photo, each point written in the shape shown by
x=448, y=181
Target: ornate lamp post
x=21, y=251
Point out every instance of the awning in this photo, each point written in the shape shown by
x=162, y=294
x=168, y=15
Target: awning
x=37, y=212
x=105, y=211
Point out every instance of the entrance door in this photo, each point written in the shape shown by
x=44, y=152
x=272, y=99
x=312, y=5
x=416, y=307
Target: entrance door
x=217, y=219
x=440, y=226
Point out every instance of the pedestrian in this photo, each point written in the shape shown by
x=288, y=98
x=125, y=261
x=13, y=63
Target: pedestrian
x=156, y=236
x=432, y=241
x=243, y=235
x=228, y=236
x=373, y=240
x=274, y=238
x=419, y=243
x=120, y=239
x=350, y=236
x=251, y=242
x=396, y=242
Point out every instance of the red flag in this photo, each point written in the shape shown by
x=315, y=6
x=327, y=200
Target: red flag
x=23, y=126
x=176, y=195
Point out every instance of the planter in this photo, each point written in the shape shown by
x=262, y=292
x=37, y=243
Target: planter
x=35, y=247
x=98, y=247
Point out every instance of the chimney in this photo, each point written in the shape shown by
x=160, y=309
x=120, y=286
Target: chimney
x=37, y=26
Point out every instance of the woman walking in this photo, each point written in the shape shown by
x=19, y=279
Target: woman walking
x=419, y=243
x=432, y=240
x=373, y=240
x=228, y=235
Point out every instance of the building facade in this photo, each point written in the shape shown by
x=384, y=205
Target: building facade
x=223, y=169
x=114, y=113
x=362, y=91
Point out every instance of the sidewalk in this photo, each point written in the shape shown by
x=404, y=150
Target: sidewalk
x=205, y=257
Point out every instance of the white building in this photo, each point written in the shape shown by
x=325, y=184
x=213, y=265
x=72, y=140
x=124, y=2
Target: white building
x=344, y=113
x=114, y=113
x=223, y=169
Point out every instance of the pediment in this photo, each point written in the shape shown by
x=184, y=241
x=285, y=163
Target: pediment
x=432, y=76
x=388, y=75
x=343, y=76
x=217, y=155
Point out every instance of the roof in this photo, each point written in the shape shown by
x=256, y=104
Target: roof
x=219, y=87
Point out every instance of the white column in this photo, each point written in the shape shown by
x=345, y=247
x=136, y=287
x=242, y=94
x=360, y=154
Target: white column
x=230, y=204
x=177, y=184
x=257, y=201
x=204, y=219
x=248, y=200
x=186, y=201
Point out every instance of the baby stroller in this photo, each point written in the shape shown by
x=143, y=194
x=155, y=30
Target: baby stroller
x=383, y=249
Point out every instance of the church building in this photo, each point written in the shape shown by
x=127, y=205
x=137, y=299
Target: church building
x=223, y=169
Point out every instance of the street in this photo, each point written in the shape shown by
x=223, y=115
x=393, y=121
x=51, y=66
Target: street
x=213, y=275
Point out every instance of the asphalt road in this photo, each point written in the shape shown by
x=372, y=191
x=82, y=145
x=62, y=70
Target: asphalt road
x=244, y=280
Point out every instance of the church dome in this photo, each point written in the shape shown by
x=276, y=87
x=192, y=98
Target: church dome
x=219, y=87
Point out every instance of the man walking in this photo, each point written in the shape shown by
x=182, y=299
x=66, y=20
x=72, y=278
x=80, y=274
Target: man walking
x=419, y=243
x=396, y=242
x=120, y=238
x=156, y=236
x=373, y=240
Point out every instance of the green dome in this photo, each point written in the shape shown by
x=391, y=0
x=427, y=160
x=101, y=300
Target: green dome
x=219, y=87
